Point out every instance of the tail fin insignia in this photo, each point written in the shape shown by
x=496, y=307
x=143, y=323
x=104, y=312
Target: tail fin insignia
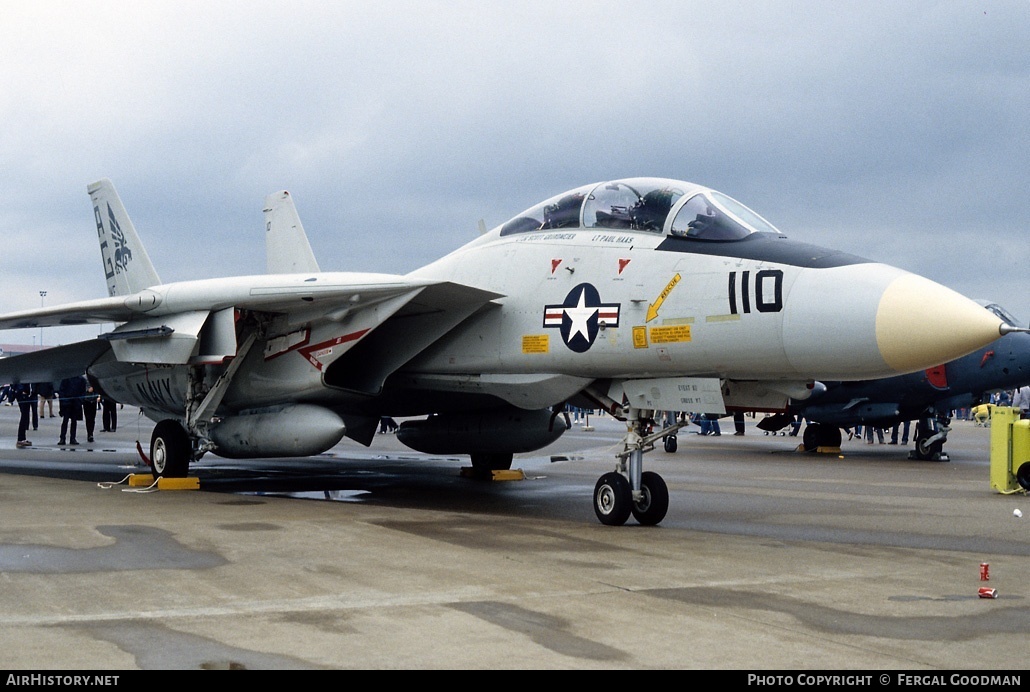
x=127, y=268
x=122, y=253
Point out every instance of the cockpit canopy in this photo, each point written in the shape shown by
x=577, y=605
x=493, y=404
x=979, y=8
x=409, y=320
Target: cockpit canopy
x=653, y=205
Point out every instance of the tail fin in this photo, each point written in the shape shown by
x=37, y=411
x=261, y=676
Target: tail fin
x=286, y=244
x=126, y=265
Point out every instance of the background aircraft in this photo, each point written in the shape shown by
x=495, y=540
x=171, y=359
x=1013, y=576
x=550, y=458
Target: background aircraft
x=927, y=398
x=634, y=295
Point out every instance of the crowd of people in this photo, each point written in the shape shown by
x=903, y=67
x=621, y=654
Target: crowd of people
x=77, y=400
x=899, y=433
x=1018, y=398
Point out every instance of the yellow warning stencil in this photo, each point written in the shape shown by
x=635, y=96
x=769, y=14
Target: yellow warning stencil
x=670, y=334
x=535, y=343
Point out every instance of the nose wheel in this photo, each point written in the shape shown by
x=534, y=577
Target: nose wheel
x=653, y=502
x=613, y=499
x=629, y=490
x=931, y=434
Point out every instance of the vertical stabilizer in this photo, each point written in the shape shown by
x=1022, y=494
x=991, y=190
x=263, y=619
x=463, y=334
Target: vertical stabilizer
x=127, y=267
x=286, y=244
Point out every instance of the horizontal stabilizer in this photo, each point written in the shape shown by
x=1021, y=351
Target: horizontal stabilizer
x=96, y=311
x=52, y=364
x=303, y=296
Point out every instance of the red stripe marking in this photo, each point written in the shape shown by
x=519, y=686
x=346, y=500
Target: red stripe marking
x=336, y=341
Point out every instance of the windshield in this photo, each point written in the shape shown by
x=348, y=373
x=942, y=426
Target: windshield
x=560, y=211
x=711, y=215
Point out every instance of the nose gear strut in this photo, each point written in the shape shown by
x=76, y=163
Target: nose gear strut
x=629, y=489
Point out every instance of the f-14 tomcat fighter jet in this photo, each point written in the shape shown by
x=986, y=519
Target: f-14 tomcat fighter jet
x=636, y=296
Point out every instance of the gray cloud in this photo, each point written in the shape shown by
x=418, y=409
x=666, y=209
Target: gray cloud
x=897, y=131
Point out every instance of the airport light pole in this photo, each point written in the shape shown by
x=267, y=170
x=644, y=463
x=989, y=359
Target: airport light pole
x=42, y=297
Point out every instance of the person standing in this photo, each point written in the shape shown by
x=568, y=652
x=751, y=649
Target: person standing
x=25, y=394
x=869, y=431
x=109, y=416
x=35, y=414
x=89, y=409
x=904, y=434
x=46, y=397
x=70, y=395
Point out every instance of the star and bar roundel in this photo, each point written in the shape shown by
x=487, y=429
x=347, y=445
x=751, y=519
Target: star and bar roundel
x=578, y=318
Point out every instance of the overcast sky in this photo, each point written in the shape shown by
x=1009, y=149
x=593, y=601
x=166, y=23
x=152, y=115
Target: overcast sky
x=899, y=131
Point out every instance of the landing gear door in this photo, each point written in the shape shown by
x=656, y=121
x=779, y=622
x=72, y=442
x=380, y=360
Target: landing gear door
x=685, y=394
x=218, y=337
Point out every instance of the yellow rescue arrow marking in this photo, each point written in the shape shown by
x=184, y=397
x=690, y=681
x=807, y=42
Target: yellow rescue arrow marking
x=652, y=309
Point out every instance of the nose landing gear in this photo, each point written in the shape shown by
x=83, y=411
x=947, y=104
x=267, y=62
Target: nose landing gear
x=931, y=434
x=629, y=489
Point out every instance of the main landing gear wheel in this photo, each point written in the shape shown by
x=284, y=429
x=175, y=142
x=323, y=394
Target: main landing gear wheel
x=613, y=499
x=654, y=499
x=670, y=444
x=170, y=450
x=491, y=462
x=820, y=435
x=483, y=465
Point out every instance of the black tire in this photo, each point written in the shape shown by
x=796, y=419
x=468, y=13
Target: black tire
x=170, y=450
x=810, y=438
x=670, y=443
x=492, y=462
x=613, y=499
x=1023, y=476
x=654, y=500
x=820, y=435
x=929, y=452
x=829, y=436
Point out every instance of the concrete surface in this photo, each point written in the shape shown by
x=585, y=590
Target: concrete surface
x=382, y=558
